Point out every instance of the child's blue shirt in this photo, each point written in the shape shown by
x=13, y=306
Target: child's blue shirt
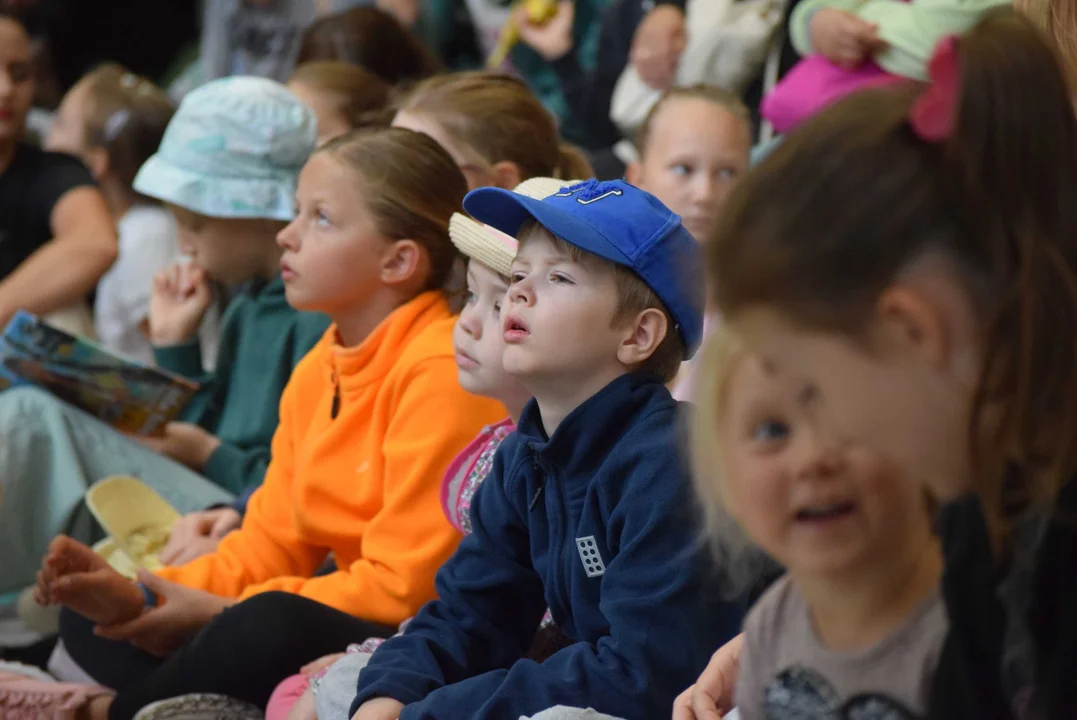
x=596, y=522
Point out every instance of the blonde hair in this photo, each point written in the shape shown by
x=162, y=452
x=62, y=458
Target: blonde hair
x=633, y=297
x=1058, y=19
x=126, y=117
x=710, y=93
x=411, y=186
x=358, y=94
x=738, y=560
x=500, y=119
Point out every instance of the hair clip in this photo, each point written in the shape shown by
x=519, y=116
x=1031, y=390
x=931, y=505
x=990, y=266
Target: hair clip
x=932, y=114
x=115, y=124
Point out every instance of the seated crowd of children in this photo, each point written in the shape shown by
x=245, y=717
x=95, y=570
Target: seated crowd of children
x=474, y=434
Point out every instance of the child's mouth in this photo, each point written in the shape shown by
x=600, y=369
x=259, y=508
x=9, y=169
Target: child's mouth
x=515, y=330
x=825, y=513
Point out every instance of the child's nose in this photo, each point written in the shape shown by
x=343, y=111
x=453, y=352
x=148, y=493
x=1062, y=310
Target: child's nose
x=521, y=292
x=818, y=454
x=288, y=237
x=470, y=324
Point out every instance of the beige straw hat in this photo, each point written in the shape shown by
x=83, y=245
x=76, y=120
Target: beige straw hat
x=491, y=247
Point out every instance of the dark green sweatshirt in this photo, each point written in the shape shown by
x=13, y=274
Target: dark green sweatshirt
x=262, y=340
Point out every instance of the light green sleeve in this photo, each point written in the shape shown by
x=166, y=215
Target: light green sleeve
x=800, y=20
x=912, y=30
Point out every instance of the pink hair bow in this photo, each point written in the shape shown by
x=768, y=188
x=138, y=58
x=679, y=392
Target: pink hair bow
x=932, y=115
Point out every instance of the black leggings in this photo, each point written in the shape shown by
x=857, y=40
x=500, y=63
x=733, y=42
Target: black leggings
x=244, y=652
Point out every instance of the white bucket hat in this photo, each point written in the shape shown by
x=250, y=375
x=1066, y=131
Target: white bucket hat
x=234, y=149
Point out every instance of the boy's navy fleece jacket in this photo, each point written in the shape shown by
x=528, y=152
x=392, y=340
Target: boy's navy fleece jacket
x=609, y=486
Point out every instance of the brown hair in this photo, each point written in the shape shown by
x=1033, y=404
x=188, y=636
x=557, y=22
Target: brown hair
x=411, y=187
x=824, y=225
x=710, y=93
x=1057, y=18
x=127, y=116
x=372, y=39
x=498, y=117
x=633, y=297
x=358, y=94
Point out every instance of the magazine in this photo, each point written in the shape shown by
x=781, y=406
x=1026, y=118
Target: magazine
x=132, y=398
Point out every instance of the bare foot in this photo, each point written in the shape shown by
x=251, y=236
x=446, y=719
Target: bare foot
x=75, y=576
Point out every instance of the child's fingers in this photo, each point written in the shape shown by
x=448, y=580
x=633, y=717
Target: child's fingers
x=682, y=706
x=704, y=707
x=42, y=593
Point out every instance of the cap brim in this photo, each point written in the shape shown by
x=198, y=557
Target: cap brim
x=507, y=211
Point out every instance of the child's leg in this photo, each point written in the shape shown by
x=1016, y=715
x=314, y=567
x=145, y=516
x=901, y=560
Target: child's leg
x=568, y=713
x=50, y=454
x=285, y=701
x=116, y=665
x=247, y=650
x=304, y=708
x=335, y=692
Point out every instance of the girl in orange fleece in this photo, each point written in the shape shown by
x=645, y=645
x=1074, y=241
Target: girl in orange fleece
x=369, y=422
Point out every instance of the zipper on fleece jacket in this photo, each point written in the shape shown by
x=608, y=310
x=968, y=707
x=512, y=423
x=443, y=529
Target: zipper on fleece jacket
x=335, y=410
x=541, y=480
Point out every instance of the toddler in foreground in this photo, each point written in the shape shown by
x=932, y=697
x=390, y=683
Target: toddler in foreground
x=856, y=625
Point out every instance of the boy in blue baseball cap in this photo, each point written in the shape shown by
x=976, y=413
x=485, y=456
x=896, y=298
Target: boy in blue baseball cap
x=587, y=508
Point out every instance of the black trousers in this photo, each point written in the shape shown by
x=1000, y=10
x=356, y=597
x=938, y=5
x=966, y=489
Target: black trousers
x=244, y=652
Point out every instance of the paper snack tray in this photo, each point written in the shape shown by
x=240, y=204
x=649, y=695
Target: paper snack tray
x=136, y=519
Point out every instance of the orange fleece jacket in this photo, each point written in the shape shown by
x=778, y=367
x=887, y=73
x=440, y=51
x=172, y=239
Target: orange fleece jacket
x=364, y=485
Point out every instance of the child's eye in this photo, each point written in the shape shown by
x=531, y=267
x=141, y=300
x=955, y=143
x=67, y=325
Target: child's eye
x=808, y=395
x=770, y=431
x=321, y=218
x=20, y=73
x=469, y=298
x=559, y=279
x=681, y=169
x=727, y=174
x=517, y=277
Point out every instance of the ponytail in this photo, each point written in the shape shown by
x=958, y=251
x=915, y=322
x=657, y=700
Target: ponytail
x=1012, y=158
x=572, y=164
x=825, y=224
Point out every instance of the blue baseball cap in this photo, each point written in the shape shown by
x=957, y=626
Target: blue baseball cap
x=618, y=222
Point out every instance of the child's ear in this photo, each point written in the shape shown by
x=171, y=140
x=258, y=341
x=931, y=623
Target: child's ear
x=403, y=264
x=634, y=173
x=647, y=333
x=507, y=175
x=97, y=162
x=908, y=322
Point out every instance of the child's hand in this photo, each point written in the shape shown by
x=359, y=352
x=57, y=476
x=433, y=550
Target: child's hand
x=712, y=695
x=382, y=708
x=658, y=44
x=185, y=443
x=180, y=613
x=198, y=534
x=551, y=39
x=406, y=12
x=74, y=576
x=320, y=664
x=843, y=38
x=180, y=297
